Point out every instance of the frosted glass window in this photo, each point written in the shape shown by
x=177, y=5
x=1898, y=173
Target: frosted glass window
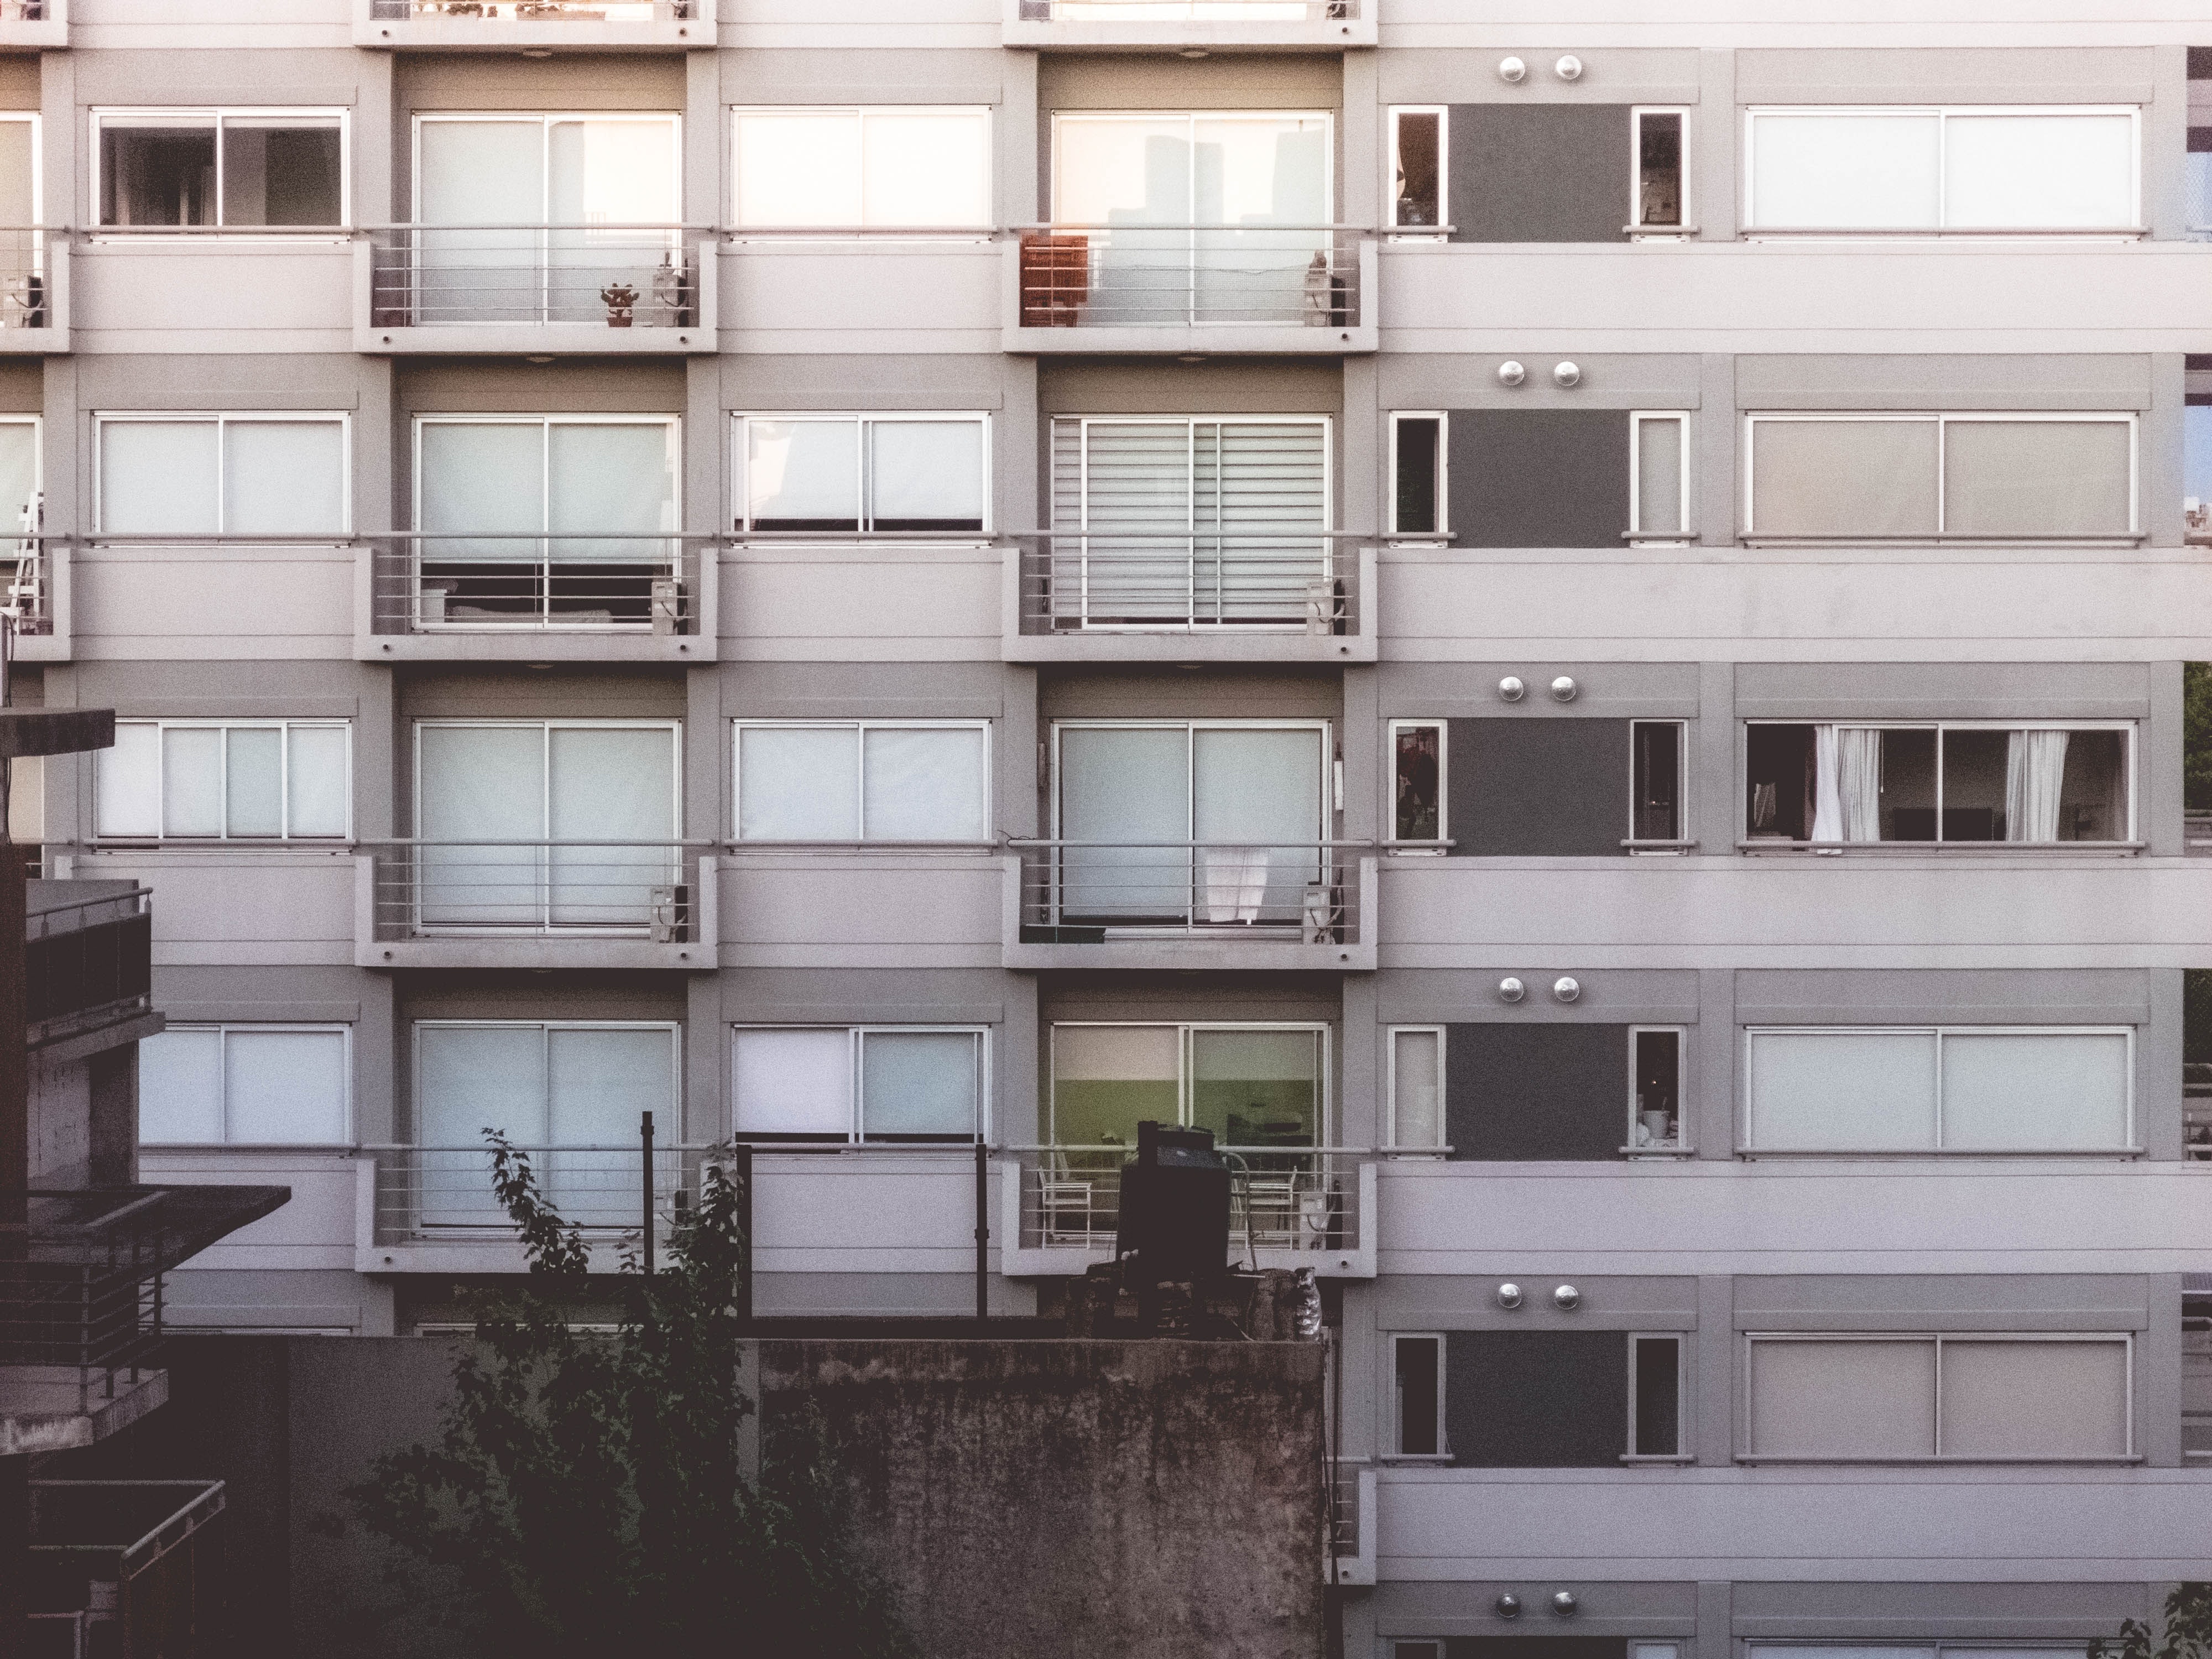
x=1843, y=1090
x=508, y=481
x=260, y=1085
x=18, y=468
x=1818, y=170
x=253, y=781
x=128, y=781
x=924, y=784
x=601, y=1081
x=1417, y=1092
x=920, y=1083
x=611, y=171
x=803, y=475
x=1817, y=478
x=181, y=1088
x=474, y=1078
x=2034, y=1399
x=285, y=1087
x=792, y=1082
x=1208, y=169
x=550, y=1083
x=1252, y=1086
x=2039, y=172
x=2035, y=1090
x=257, y=782
x=483, y=476
x=912, y=166
x=1659, y=475
x=799, y=783
x=1831, y=1398
x=192, y=781
x=848, y=473
x=19, y=183
x=481, y=173
x=317, y=781
x=2037, y=478
x=605, y=477
x=284, y=478
x=158, y=477
x=925, y=475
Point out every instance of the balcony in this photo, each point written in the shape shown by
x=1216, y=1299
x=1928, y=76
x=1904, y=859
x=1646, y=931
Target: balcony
x=81, y=1320
x=1308, y=907
x=33, y=25
x=535, y=904
x=1179, y=25
x=1288, y=1208
x=124, y=1567
x=88, y=955
x=34, y=285
x=539, y=598
x=535, y=25
x=1123, y=598
x=1185, y=291
x=508, y=290
x=431, y=1209
x=30, y=589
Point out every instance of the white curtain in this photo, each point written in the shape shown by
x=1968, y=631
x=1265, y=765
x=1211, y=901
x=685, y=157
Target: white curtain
x=1858, y=777
x=1235, y=882
x=1827, y=799
x=2035, y=766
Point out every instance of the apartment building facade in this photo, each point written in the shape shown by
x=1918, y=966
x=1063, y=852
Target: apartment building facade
x=1571, y=630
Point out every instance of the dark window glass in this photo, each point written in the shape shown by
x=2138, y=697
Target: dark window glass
x=278, y=175
x=1779, y=782
x=1658, y=1396
x=1658, y=1089
x=157, y=175
x=1419, y=763
x=1418, y=1360
x=1421, y=150
x=1418, y=450
x=1658, y=781
x=1659, y=170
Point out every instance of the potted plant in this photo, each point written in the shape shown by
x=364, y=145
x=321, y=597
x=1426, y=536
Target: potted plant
x=621, y=300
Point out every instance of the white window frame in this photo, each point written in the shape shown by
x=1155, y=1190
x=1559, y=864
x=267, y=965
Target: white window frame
x=1682, y=1454
x=2124, y=1340
x=223, y=420
x=862, y=727
x=1638, y=535
x=740, y=227
x=548, y=119
x=1326, y=805
x=545, y=728
x=671, y=425
x=1442, y=842
x=1681, y=775
x=124, y=117
x=1191, y=118
x=1184, y=1031
x=740, y=463
x=1944, y=114
x=546, y=1027
x=1638, y=230
x=1400, y=1148
x=855, y=1132
x=1443, y=418
x=1750, y=1148
x=1438, y=232
x=223, y=1030
x=1943, y=420
x=283, y=784
x=1397, y=1453
x=1683, y=1143
x=2128, y=728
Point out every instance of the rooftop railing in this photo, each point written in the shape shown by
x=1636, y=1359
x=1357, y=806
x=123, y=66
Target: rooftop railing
x=431, y=582
x=89, y=963
x=1117, y=582
x=640, y=890
x=1294, y=1200
x=1184, y=275
x=1083, y=892
x=633, y=277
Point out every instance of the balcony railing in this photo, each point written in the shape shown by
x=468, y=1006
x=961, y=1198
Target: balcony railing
x=1283, y=1199
x=26, y=583
x=1130, y=277
x=1083, y=892
x=1119, y=582
x=614, y=276
x=537, y=11
x=26, y=296
x=1190, y=11
x=540, y=890
x=88, y=960
x=432, y=1194
x=125, y=1568
x=449, y=583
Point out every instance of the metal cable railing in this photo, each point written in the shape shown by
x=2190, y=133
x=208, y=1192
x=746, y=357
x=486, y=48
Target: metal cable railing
x=1182, y=275
x=614, y=275
x=1295, y=1200
x=427, y=1194
x=1083, y=892
x=447, y=581
x=1121, y=581
x=1190, y=11
x=543, y=888
x=26, y=583
x=537, y=11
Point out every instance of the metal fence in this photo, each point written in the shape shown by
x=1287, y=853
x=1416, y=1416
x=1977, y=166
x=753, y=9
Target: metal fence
x=1282, y=1199
x=89, y=963
x=115, y=1568
x=1119, y=582
x=426, y=1193
x=1083, y=892
x=1183, y=276
x=431, y=582
x=541, y=888
x=616, y=275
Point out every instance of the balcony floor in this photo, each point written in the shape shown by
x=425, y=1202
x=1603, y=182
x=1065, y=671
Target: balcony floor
x=42, y=1409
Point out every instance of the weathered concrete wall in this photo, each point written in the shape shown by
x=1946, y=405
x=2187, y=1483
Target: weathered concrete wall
x=1158, y=1499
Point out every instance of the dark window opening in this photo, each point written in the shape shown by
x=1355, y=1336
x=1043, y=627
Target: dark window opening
x=1420, y=1363
x=1419, y=763
x=280, y=175
x=157, y=176
x=1420, y=173
x=1657, y=748
x=1659, y=169
x=1658, y=1425
x=1420, y=452
x=1658, y=1062
x=1779, y=782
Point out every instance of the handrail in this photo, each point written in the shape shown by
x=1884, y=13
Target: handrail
x=1111, y=1146
x=1180, y=846
x=1752, y=232
x=1911, y=846
x=633, y=842
x=86, y=903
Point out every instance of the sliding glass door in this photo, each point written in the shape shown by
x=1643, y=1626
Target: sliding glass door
x=1188, y=825
x=1257, y=1088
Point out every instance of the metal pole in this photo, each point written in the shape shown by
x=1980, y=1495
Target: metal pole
x=741, y=1163
x=645, y=1138
x=982, y=1233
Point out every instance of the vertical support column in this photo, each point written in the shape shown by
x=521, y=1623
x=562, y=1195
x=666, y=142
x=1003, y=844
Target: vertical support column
x=1713, y=1375
x=1716, y=1621
x=2157, y=1404
x=1713, y=1050
x=14, y=1235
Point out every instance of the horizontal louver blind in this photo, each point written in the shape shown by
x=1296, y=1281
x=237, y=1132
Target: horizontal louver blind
x=1181, y=476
